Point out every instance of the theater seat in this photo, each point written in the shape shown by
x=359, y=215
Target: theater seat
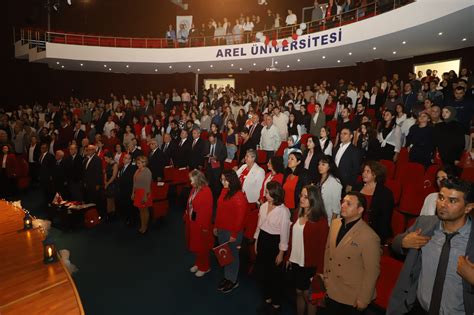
x=281, y=149
x=399, y=223
x=261, y=157
x=230, y=165
x=304, y=138
x=159, y=194
x=396, y=189
x=389, y=270
x=332, y=124
x=468, y=174
x=390, y=166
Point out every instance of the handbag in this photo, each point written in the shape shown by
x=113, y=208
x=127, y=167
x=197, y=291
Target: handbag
x=318, y=293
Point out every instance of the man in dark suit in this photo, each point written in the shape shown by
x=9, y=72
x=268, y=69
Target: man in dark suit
x=34, y=152
x=78, y=134
x=156, y=161
x=74, y=173
x=348, y=159
x=438, y=273
x=255, y=131
x=196, y=160
x=92, y=176
x=168, y=102
x=125, y=185
x=183, y=150
x=134, y=150
x=46, y=164
x=216, y=153
x=66, y=134
x=168, y=148
x=59, y=175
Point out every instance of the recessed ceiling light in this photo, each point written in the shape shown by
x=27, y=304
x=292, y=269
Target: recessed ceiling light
x=394, y=52
x=338, y=61
x=127, y=66
x=156, y=70
x=57, y=62
x=350, y=53
x=440, y=33
x=254, y=64
x=212, y=66
x=374, y=48
x=105, y=66
x=170, y=67
x=276, y=62
x=298, y=60
x=189, y=66
x=240, y=69
x=404, y=42
x=464, y=39
x=324, y=57
x=287, y=66
x=231, y=64
x=62, y=67
x=82, y=64
x=199, y=69
x=110, y=69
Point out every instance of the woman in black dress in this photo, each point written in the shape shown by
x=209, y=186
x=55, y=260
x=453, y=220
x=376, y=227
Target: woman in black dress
x=420, y=140
x=110, y=184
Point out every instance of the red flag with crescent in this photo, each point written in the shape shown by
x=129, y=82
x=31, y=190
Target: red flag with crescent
x=223, y=254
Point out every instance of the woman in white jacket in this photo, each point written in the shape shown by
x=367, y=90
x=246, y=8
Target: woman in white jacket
x=390, y=137
x=251, y=176
x=331, y=187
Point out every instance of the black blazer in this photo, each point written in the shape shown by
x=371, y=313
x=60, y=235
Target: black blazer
x=59, y=176
x=220, y=151
x=197, y=153
x=46, y=170
x=74, y=168
x=256, y=133
x=80, y=135
x=36, y=153
x=250, y=144
x=136, y=153
x=125, y=181
x=93, y=175
x=182, y=154
x=313, y=165
x=156, y=164
x=380, y=211
x=169, y=152
x=349, y=165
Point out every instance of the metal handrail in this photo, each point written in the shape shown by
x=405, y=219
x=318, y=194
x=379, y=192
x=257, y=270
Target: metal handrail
x=34, y=36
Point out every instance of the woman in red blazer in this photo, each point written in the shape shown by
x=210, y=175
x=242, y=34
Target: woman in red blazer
x=7, y=171
x=232, y=208
x=197, y=218
x=275, y=174
x=305, y=255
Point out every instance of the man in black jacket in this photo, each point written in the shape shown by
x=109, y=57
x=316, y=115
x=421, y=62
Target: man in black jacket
x=59, y=175
x=93, y=176
x=125, y=185
x=74, y=173
x=216, y=153
x=183, y=151
x=196, y=160
x=168, y=148
x=46, y=164
x=156, y=161
x=255, y=131
x=78, y=134
x=348, y=159
x=34, y=153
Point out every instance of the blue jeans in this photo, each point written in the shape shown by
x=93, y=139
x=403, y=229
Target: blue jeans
x=231, y=271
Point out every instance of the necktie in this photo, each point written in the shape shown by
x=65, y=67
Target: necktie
x=252, y=129
x=166, y=147
x=194, y=142
x=437, y=293
x=212, y=149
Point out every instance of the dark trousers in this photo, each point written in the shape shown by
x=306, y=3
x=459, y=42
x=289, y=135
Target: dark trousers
x=33, y=171
x=126, y=208
x=417, y=309
x=271, y=277
x=91, y=195
x=336, y=308
x=270, y=154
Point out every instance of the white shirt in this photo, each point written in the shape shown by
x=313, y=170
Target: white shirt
x=429, y=205
x=328, y=150
x=291, y=19
x=331, y=193
x=248, y=26
x=31, y=152
x=322, y=98
x=393, y=138
x=253, y=182
x=352, y=94
x=297, y=244
x=340, y=152
x=277, y=222
x=270, y=138
x=89, y=160
x=281, y=122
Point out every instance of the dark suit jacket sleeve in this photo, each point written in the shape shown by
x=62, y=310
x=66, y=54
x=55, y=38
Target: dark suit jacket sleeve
x=356, y=161
x=221, y=151
x=384, y=209
x=98, y=174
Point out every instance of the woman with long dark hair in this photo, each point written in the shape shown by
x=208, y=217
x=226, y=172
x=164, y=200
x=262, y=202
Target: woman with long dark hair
x=308, y=235
x=331, y=187
x=390, y=137
x=312, y=156
x=272, y=236
x=296, y=178
x=324, y=141
x=365, y=139
x=232, y=208
x=276, y=173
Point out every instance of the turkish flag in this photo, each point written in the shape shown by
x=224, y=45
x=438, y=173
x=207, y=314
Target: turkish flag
x=223, y=254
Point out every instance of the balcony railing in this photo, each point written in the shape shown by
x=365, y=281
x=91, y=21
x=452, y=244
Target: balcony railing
x=38, y=38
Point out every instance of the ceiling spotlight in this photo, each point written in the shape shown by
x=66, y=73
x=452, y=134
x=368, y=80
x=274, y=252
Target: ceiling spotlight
x=464, y=39
x=199, y=69
x=338, y=61
x=110, y=69
x=189, y=66
x=374, y=48
x=127, y=66
x=404, y=42
x=231, y=64
x=57, y=62
x=440, y=33
x=105, y=66
x=170, y=67
x=298, y=60
x=212, y=66
x=69, y=2
x=62, y=67
x=287, y=66
x=56, y=6
x=241, y=69
x=276, y=62
x=82, y=64
x=350, y=53
x=324, y=57
x=156, y=70
x=254, y=64
x=394, y=52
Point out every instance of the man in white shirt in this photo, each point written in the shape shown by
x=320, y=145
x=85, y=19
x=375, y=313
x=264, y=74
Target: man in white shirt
x=108, y=126
x=280, y=120
x=270, y=137
x=352, y=94
x=290, y=18
x=322, y=96
x=185, y=96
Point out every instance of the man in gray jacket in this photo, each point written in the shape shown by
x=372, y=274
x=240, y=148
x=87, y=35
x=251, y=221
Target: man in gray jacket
x=434, y=278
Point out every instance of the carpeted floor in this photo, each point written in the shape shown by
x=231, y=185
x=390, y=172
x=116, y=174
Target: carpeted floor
x=122, y=272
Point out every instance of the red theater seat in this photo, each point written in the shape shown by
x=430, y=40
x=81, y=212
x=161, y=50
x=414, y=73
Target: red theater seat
x=332, y=124
x=160, y=199
x=91, y=41
x=389, y=270
x=230, y=165
x=396, y=189
x=468, y=174
x=281, y=149
x=261, y=157
x=399, y=223
x=123, y=42
x=390, y=166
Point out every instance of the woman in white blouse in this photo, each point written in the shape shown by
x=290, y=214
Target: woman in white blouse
x=390, y=137
x=251, y=176
x=272, y=237
x=331, y=187
x=324, y=141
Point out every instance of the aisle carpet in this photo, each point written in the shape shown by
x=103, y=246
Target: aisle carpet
x=122, y=272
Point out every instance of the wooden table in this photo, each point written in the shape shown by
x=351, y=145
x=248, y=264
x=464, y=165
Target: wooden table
x=27, y=285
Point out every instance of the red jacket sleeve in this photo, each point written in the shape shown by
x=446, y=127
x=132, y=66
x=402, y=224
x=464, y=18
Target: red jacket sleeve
x=241, y=207
x=202, y=204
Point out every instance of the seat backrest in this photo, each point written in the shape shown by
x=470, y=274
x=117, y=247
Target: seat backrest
x=390, y=166
x=396, y=189
x=389, y=270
